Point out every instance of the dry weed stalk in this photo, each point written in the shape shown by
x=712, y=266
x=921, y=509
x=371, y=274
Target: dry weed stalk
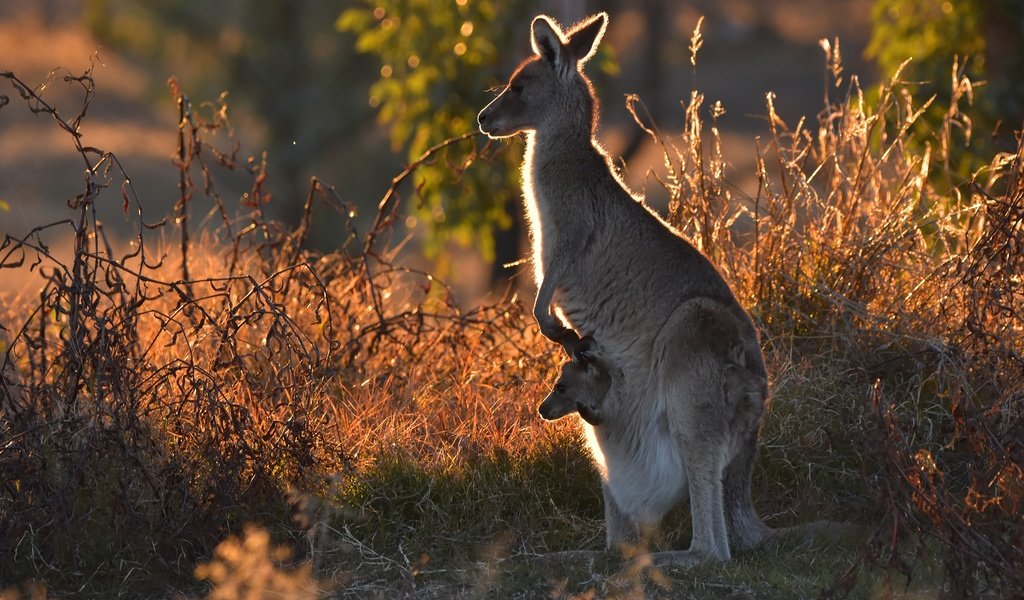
x=850, y=255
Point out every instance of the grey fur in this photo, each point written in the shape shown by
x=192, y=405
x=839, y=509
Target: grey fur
x=685, y=412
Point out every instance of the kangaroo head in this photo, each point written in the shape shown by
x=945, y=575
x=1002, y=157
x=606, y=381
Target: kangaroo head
x=549, y=89
x=575, y=391
x=581, y=386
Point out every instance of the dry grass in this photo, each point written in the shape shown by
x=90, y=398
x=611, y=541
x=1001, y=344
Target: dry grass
x=155, y=403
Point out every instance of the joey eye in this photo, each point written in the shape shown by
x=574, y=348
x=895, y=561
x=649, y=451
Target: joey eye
x=559, y=388
x=516, y=89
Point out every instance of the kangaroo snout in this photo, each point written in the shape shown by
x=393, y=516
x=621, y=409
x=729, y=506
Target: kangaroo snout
x=490, y=119
x=556, y=406
x=484, y=120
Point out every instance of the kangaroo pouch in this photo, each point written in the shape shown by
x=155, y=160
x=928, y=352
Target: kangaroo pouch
x=645, y=473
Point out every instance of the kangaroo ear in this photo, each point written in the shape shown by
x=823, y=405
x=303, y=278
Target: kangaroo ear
x=582, y=352
x=586, y=344
x=585, y=37
x=593, y=355
x=547, y=39
x=596, y=358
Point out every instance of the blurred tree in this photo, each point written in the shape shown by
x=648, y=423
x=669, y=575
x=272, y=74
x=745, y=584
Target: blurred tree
x=438, y=61
x=985, y=35
x=282, y=61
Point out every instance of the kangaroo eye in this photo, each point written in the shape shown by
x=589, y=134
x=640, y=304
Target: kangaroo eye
x=516, y=89
x=559, y=389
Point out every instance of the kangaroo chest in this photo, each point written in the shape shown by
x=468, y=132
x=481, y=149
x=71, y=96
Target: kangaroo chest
x=544, y=222
x=556, y=184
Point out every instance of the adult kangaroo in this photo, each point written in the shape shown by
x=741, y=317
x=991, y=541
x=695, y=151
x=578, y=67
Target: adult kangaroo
x=688, y=408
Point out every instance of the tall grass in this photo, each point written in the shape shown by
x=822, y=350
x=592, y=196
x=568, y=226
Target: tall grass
x=155, y=402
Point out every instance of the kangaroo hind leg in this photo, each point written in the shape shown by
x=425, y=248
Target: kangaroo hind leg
x=699, y=430
x=704, y=466
x=697, y=372
x=746, y=530
x=620, y=530
x=746, y=391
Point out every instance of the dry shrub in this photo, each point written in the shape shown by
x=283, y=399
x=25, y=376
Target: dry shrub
x=146, y=409
x=155, y=401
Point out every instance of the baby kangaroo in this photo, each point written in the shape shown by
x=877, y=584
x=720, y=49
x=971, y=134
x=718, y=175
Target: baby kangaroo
x=582, y=385
x=586, y=378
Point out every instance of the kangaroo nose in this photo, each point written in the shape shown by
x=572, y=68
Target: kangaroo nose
x=481, y=120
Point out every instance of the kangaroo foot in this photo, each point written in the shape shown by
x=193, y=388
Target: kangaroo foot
x=680, y=559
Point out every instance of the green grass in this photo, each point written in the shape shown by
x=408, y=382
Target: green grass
x=530, y=525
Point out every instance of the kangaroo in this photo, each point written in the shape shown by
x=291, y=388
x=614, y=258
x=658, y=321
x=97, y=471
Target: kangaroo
x=581, y=386
x=608, y=265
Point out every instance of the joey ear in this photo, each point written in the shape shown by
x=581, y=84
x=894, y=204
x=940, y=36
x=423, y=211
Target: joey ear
x=597, y=358
x=585, y=37
x=582, y=353
x=547, y=39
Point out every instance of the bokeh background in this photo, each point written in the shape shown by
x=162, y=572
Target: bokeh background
x=350, y=91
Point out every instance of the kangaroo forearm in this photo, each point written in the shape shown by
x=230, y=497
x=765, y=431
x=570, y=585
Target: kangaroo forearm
x=553, y=329
x=550, y=326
